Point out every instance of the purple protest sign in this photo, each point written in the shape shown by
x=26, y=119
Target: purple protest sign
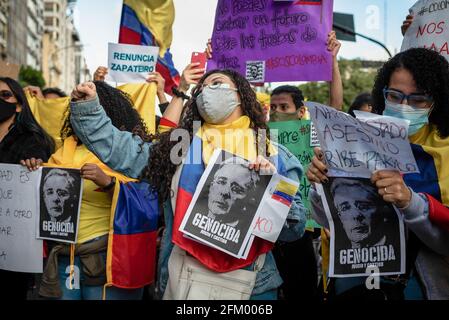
x=273, y=41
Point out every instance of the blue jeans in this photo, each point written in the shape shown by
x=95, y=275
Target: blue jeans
x=83, y=292
x=269, y=295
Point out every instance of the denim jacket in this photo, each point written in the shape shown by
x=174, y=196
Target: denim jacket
x=126, y=153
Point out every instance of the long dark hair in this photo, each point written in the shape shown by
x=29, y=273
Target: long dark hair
x=119, y=108
x=360, y=101
x=430, y=70
x=25, y=120
x=160, y=169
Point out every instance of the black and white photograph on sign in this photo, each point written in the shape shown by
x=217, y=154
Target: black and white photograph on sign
x=60, y=203
x=225, y=204
x=255, y=71
x=365, y=230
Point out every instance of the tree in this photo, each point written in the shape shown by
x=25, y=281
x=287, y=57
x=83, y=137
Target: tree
x=356, y=80
x=29, y=76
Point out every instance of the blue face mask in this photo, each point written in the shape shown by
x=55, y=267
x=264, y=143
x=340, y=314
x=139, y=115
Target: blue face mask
x=418, y=117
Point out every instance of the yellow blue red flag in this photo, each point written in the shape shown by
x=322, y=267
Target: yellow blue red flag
x=149, y=23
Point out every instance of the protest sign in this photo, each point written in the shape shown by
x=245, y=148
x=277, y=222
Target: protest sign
x=226, y=204
x=275, y=205
x=430, y=27
x=361, y=147
x=296, y=137
x=365, y=230
x=130, y=63
x=60, y=203
x=272, y=41
x=314, y=141
x=19, y=209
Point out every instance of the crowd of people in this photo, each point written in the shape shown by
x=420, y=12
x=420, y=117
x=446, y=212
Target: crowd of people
x=104, y=136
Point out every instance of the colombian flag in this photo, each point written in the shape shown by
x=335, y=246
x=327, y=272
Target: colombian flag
x=430, y=150
x=212, y=258
x=149, y=23
x=131, y=258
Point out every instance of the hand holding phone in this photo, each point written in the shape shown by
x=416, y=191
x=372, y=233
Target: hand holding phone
x=199, y=57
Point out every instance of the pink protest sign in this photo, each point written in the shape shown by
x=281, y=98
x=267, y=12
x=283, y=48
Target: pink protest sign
x=273, y=41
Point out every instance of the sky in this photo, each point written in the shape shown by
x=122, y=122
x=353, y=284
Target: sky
x=98, y=24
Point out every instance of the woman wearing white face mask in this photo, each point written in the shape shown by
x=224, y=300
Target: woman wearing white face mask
x=227, y=116
x=414, y=85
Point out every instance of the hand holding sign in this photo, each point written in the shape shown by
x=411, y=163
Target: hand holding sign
x=427, y=27
x=392, y=188
x=32, y=164
x=263, y=165
x=406, y=24
x=209, y=50
x=333, y=45
x=157, y=78
x=100, y=74
x=84, y=92
x=317, y=170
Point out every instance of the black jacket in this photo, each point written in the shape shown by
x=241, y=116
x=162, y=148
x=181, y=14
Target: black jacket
x=20, y=144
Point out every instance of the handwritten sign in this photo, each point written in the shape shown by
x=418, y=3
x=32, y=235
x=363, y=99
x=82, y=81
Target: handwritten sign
x=273, y=41
x=430, y=27
x=362, y=146
x=131, y=63
x=19, y=210
x=296, y=137
x=275, y=205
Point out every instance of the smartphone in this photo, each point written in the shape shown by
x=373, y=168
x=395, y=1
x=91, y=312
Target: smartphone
x=199, y=57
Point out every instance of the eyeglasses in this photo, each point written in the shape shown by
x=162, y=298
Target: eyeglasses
x=218, y=85
x=5, y=94
x=414, y=100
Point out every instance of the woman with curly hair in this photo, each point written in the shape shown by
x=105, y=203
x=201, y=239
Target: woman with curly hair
x=222, y=113
x=89, y=253
x=414, y=86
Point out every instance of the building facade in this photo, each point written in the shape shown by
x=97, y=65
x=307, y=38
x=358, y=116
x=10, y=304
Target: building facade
x=41, y=34
x=62, y=59
x=35, y=31
x=3, y=28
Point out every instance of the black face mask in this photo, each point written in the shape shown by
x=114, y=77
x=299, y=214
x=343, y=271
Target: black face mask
x=7, y=110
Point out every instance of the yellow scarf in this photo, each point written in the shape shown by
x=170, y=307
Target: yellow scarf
x=236, y=137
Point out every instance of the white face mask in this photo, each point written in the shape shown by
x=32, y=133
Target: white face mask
x=418, y=117
x=217, y=102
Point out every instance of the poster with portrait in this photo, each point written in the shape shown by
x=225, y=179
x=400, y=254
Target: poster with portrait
x=226, y=204
x=60, y=203
x=366, y=231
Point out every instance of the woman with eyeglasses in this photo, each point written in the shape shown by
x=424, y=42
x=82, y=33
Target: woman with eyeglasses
x=414, y=86
x=222, y=113
x=22, y=141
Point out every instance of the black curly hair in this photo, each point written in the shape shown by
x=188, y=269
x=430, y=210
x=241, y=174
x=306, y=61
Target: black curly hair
x=430, y=70
x=160, y=169
x=119, y=108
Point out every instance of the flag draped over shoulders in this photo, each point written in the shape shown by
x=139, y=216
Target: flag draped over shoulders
x=431, y=153
x=131, y=256
x=203, y=144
